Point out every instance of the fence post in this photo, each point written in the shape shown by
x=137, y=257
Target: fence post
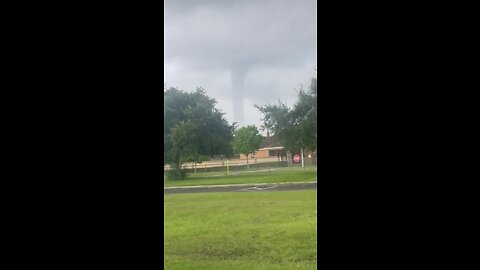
x=228, y=170
x=303, y=161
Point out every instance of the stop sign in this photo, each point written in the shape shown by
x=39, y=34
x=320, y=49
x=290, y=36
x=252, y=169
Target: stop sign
x=296, y=158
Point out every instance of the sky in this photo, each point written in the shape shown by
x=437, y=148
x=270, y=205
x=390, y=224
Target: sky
x=242, y=52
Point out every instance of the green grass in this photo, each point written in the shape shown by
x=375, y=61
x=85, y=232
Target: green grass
x=233, y=231
x=274, y=176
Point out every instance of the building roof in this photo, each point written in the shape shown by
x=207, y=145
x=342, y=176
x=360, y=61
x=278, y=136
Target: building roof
x=272, y=148
x=268, y=142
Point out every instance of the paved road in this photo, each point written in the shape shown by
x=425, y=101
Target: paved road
x=243, y=188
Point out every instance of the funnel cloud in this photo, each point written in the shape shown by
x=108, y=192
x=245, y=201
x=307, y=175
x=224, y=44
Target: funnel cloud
x=241, y=52
x=238, y=82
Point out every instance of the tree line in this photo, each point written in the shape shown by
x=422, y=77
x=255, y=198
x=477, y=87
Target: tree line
x=195, y=130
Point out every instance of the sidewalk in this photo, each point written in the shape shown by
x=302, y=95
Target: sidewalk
x=244, y=185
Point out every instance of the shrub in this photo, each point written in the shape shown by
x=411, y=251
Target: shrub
x=176, y=174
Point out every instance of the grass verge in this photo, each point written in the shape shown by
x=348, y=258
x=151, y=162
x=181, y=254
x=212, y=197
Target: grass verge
x=248, y=177
x=233, y=231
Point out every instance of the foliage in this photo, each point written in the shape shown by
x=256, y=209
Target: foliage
x=295, y=127
x=176, y=173
x=266, y=127
x=246, y=140
x=194, y=129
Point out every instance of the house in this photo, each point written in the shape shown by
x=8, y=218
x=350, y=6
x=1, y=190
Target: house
x=269, y=147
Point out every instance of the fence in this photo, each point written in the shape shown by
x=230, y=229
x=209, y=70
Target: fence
x=241, y=165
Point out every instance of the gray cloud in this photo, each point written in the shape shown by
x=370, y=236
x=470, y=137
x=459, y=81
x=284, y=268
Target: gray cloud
x=259, y=49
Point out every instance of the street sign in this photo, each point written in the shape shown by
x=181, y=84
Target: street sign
x=296, y=158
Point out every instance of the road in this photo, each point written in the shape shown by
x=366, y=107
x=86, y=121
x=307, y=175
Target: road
x=242, y=188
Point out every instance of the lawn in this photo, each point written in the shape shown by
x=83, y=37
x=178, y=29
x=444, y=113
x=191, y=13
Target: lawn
x=277, y=175
x=252, y=230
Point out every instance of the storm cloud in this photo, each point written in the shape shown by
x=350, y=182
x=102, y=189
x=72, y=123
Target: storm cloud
x=242, y=52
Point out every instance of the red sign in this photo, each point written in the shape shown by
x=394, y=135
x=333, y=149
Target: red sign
x=296, y=158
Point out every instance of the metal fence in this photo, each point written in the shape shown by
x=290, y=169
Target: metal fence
x=239, y=165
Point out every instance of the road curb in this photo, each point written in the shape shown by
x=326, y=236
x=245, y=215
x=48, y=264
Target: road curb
x=245, y=185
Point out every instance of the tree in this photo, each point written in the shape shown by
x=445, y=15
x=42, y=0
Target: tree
x=194, y=130
x=266, y=127
x=295, y=127
x=246, y=140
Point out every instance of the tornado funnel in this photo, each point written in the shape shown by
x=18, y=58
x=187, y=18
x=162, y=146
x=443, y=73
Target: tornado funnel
x=238, y=82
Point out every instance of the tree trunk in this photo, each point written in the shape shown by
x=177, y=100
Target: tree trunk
x=248, y=166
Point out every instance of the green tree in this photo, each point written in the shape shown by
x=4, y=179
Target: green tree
x=266, y=128
x=295, y=127
x=194, y=130
x=246, y=140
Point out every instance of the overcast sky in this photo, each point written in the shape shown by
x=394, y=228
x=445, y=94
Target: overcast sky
x=242, y=52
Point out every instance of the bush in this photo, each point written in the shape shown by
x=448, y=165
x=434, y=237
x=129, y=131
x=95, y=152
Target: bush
x=176, y=174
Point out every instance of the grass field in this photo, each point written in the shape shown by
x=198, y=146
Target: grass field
x=240, y=231
x=278, y=175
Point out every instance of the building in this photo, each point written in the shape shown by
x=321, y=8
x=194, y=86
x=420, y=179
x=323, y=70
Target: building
x=269, y=147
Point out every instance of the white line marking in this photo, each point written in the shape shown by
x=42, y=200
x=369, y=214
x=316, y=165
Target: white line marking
x=256, y=188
